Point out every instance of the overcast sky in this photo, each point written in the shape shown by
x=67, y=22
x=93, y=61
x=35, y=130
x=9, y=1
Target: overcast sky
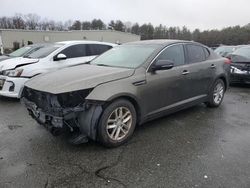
x=202, y=14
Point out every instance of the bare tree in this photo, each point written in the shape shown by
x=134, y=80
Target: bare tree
x=18, y=21
x=32, y=21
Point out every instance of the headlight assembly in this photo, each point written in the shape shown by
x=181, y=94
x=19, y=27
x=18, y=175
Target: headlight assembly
x=13, y=73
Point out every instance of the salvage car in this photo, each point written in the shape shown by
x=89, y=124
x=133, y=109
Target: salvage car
x=127, y=86
x=15, y=72
x=240, y=67
x=21, y=52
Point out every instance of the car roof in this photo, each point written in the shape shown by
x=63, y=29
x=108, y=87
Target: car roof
x=244, y=47
x=158, y=42
x=84, y=42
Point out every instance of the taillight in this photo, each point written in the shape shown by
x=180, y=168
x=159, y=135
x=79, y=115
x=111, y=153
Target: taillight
x=228, y=61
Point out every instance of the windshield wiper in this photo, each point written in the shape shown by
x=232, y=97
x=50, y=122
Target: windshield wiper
x=104, y=65
x=26, y=56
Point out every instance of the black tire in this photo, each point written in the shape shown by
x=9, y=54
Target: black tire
x=212, y=103
x=103, y=133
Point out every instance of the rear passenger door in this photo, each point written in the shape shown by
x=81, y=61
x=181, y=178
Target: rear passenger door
x=76, y=54
x=199, y=69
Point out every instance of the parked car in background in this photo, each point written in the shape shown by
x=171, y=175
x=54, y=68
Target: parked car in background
x=128, y=85
x=225, y=50
x=240, y=67
x=15, y=72
x=21, y=52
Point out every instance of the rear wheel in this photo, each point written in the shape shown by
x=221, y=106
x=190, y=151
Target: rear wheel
x=216, y=94
x=117, y=123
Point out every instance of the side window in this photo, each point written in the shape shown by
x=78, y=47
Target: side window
x=78, y=50
x=174, y=53
x=97, y=49
x=207, y=53
x=195, y=53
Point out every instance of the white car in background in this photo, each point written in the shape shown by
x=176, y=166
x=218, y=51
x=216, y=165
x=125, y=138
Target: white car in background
x=15, y=72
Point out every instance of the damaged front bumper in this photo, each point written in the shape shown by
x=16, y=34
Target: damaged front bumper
x=82, y=118
x=48, y=119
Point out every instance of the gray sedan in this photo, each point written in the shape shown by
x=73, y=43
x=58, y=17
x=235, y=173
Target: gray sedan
x=127, y=86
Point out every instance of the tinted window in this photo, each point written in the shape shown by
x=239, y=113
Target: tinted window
x=97, y=49
x=173, y=53
x=78, y=50
x=195, y=53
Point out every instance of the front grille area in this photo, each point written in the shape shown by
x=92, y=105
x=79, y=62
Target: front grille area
x=55, y=104
x=47, y=102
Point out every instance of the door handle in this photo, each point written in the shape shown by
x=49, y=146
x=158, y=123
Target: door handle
x=185, y=72
x=213, y=66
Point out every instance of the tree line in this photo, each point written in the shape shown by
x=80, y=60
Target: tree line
x=235, y=35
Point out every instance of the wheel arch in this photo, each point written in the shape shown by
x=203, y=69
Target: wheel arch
x=223, y=78
x=131, y=99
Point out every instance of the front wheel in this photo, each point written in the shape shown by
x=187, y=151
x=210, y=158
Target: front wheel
x=216, y=94
x=117, y=123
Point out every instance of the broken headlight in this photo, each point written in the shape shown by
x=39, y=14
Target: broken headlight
x=73, y=99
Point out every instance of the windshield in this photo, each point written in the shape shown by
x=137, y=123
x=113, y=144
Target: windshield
x=127, y=56
x=43, y=52
x=20, y=52
x=241, y=55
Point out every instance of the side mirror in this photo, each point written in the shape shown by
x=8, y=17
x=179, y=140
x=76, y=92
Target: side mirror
x=60, y=57
x=162, y=65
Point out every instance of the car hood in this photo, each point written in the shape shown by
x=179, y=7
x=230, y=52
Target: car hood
x=12, y=63
x=77, y=78
x=4, y=57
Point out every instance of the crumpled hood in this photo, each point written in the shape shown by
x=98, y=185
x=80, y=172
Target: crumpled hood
x=13, y=62
x=77, y=78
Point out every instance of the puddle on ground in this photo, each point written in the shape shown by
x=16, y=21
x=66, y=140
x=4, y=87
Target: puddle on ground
x=14, y=127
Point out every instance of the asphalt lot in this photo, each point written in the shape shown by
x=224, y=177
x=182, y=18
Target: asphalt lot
x=198, y=147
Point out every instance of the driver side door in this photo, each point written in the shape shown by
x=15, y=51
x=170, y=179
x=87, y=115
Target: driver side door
x=165, y=89
x=76, y=54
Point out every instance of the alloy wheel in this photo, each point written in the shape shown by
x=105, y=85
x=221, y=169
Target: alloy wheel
x=218, y=93
x=119, y=123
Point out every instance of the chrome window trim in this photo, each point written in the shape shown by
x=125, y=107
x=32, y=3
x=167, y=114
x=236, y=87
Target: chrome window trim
x=171, y=45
